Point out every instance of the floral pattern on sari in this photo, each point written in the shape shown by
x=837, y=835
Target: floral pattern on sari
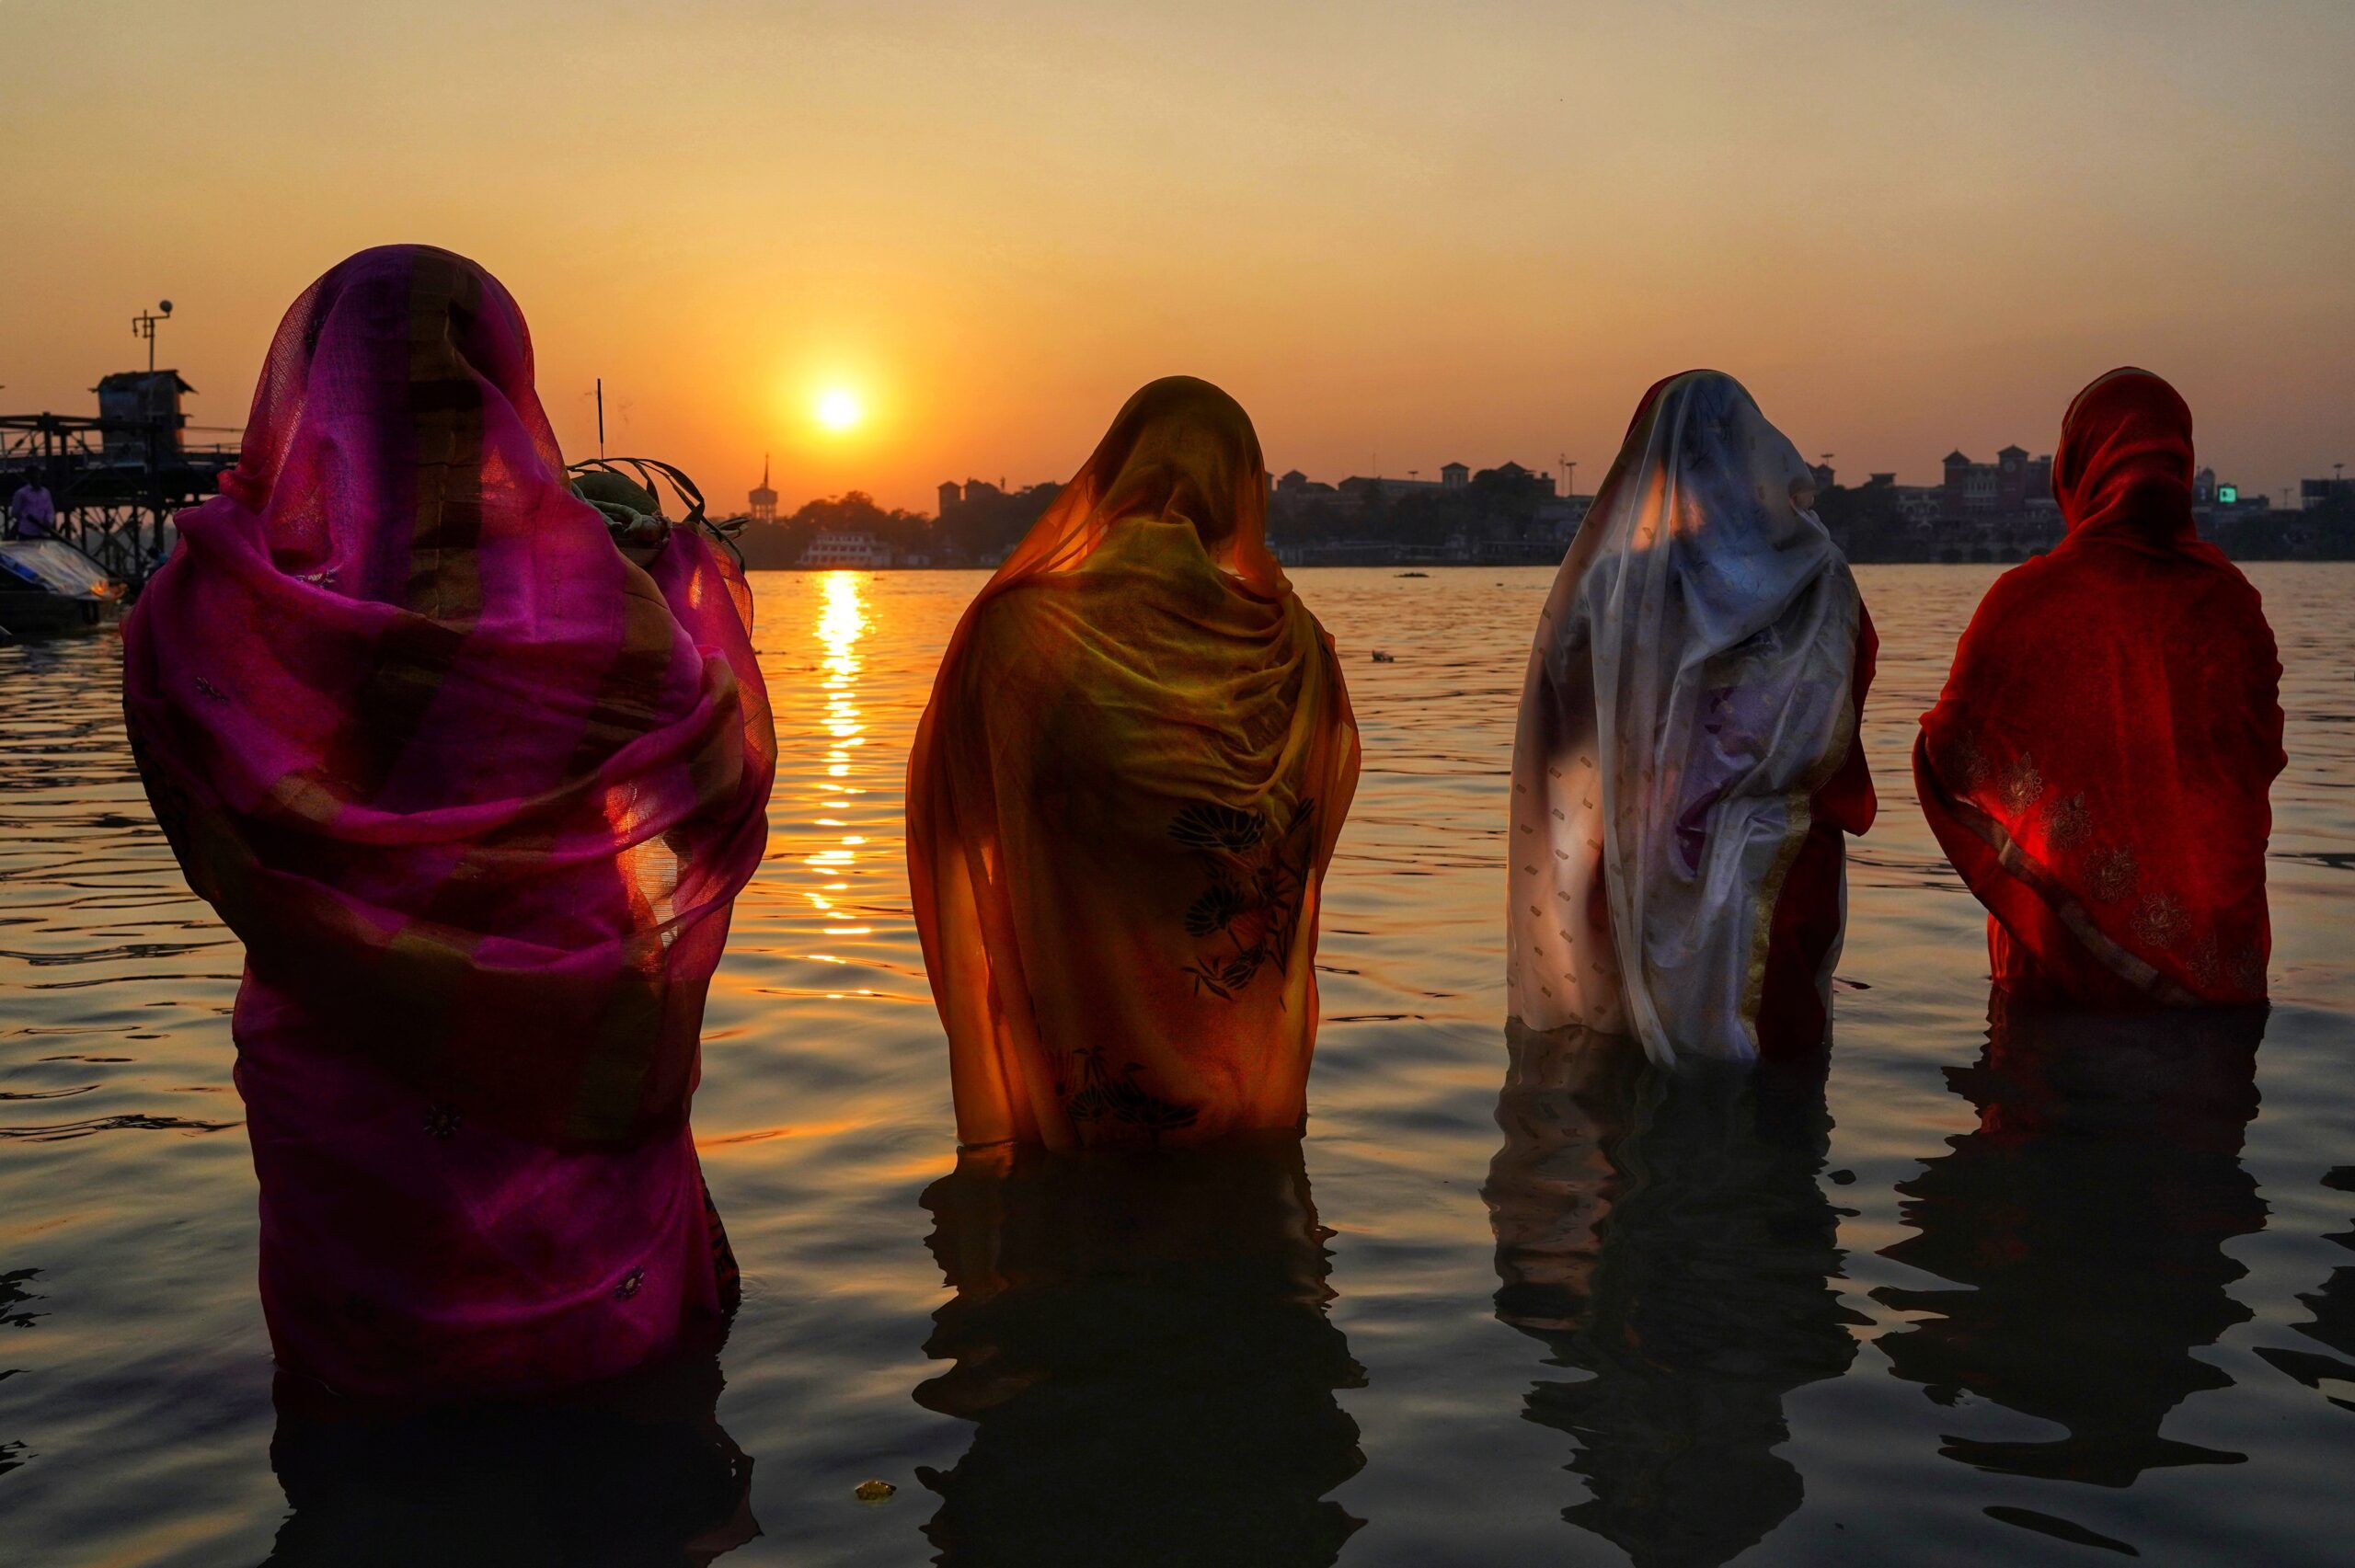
x=1104, y=1095
x=1257, y=878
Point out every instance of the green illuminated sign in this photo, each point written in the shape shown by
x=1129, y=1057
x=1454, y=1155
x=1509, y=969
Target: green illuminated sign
x=2228, y=494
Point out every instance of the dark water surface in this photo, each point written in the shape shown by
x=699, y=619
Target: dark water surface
x=2036, y=1293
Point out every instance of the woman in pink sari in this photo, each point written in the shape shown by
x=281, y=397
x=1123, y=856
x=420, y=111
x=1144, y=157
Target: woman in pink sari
x=476, y=792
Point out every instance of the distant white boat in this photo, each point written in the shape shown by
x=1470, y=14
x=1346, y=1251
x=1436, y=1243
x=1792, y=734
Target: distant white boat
x=837, y=548
x=47, y=587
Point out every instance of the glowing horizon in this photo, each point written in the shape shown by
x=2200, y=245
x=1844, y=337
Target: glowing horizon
x=1466, y=232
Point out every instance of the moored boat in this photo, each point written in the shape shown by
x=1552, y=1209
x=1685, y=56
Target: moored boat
x=47, y=586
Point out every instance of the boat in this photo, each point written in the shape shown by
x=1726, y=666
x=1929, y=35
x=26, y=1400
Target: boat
x=47, y=586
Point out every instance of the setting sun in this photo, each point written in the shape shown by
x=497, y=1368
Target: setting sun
x=839, y=409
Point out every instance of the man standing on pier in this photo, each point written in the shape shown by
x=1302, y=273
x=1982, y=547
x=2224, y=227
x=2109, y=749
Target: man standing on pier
x=32, y=514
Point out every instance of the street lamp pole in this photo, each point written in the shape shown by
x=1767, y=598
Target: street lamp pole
x=143, y=326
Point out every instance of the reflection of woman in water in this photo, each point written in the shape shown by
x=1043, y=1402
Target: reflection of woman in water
x=1662, y=1230
x=476, y=791
x=2333, y=1323
x=1122, y=801
x=638, y=1471
x=1142, y=1345
x=2083, y=1224
x=1686, y=767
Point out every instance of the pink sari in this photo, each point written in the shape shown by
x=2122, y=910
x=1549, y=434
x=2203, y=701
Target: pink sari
x=476, y=792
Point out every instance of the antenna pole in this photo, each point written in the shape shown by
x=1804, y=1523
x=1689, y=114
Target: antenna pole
x=600, y=417
x=143, y=326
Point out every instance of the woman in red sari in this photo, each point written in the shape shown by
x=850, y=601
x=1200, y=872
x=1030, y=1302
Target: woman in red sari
x=2097, y=767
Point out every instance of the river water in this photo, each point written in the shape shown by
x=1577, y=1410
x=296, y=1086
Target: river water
x=2029, y=1297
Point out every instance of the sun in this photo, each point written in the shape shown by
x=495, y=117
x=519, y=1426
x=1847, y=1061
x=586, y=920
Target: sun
x=839, y=408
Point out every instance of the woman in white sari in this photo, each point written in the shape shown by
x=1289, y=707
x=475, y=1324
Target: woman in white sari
x=1686, y=759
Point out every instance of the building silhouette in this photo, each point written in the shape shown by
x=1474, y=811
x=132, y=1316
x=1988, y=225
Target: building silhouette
x=763, y=499
x=147, y=404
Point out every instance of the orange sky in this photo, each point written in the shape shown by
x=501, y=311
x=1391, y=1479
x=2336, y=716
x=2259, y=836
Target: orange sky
x=1400, y=234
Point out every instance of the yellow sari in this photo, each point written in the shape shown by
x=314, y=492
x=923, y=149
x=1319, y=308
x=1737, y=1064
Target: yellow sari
x=1122, y=801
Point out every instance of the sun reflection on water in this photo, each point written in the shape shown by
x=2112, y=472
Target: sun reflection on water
x=843, y=619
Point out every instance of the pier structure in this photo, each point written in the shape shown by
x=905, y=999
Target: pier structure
x=117, y=477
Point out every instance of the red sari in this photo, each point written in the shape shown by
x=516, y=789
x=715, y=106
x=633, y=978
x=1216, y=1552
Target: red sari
x=1812, y=912
x=2099, y=766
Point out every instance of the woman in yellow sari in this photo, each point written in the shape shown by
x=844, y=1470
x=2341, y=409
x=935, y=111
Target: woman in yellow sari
x=1122, y=801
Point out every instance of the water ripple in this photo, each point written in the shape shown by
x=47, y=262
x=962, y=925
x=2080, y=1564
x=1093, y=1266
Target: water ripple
x=1699, y=1369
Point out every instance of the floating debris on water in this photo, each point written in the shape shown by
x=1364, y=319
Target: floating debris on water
x=873, y=1490
x=1382, y=658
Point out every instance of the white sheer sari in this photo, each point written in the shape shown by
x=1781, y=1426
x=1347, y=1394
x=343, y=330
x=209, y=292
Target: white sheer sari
x=1687, y=693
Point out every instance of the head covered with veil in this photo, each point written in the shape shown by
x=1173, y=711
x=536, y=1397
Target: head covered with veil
x=458, y=774
x=1692, y=687
x=1180, y=450
x=2099, y=766
x=476, y=790
x=1121, y=800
